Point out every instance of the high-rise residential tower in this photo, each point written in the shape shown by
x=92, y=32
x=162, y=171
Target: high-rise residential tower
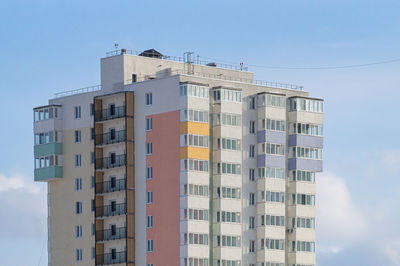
x=173, y=161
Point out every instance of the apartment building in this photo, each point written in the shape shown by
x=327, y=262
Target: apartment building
x=173, y=161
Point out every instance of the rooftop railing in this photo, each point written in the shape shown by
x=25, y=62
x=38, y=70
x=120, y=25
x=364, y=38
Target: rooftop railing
x=196, y=61
x=77, y=91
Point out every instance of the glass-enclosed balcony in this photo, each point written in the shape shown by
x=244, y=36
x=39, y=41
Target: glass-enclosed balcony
x=111, y=258
x=111, y=234
x=110, y=162
x=110, y=137
x=48, y=173
x=111, y=186
x=111, y=210
x=110, y=113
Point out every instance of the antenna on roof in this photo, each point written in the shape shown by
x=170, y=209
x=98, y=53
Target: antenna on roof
x=116, y=47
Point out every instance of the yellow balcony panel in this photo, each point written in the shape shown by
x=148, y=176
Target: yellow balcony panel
x=195, y=153
x=195, y=128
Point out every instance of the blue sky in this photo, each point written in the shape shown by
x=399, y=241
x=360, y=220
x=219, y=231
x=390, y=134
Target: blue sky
x=50, y=46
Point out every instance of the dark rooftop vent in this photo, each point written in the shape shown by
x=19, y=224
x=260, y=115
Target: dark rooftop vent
x=151, y=53
x=213, y=64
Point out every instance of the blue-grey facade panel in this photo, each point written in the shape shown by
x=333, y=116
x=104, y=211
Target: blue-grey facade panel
x=306, y=141
x=271, y=136
x=266, y=160
x=305, y=164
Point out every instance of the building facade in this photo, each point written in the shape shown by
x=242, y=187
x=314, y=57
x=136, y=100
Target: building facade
x=174, y=162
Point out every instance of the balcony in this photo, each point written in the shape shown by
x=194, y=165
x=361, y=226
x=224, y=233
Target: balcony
x=111, y=234
x=110, y=162
x=110, y=113
x=110, y=137
x=111, y=186
x=48, y=173
x=111, y=258
x=110, y=210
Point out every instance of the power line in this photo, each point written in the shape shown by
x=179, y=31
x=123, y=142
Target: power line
x=313, y=68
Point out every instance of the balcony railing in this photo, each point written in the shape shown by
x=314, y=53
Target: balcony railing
x=111, y=234
x=110, y=210
x=110, y=162
x=110, y=137
x=111, y=186
x=111, y=258
x=110, y=113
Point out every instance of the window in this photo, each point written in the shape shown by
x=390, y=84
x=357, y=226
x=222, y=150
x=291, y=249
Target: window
x=229, y=262
x=91, y=109
x=194, y=140
x=271, y=172
x=149, y=148
x=252, y=103
x=78, y=160
x=149, y=221
x=303, y=222
x=78, y=184
x=149, y=172
x=228, y=241
x=251, y=199
x=77, y=136
x=93, y=229
x=273, y=196
x=227, y=119
x=93, y=205
x=273, y=220
x=227, y=95
x=48, y=137
x=195, y=214
x=45, y=113
x=194, y=115
x=274, y=244
x=134, y=78
x=228, y=193
x=305, y=246
x=271, y=124
x=251, y=151
x=303, y=199
x=252, y=246
x=252, y=126
x=92, y=157
x=273, y=148
x=273, y=100
x=194, y=165
x=196, y=190
x=228, y=217
x=78, y=231
x=149, y=99
x=307, y=105
x=251, y=174
x=92, y=133
x=113, y=253
x=300, y=175
x=149, y=197
x=252, y=222
x=307, y=129
x=93, y=181
x=150, y=245
x=307, y=153
x=78, y=207
x=228, y=168
x=196, y=261
x=112, y=109
x=79, y=254
x=77, y=113
x=93, y=253
x=149, y=124
x=194, y=91
x=196, y=239
x=229, y=144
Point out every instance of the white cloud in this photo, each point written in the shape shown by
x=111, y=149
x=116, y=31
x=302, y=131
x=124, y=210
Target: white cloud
x=339, y=220
x=23, y=207
x=392, y=251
